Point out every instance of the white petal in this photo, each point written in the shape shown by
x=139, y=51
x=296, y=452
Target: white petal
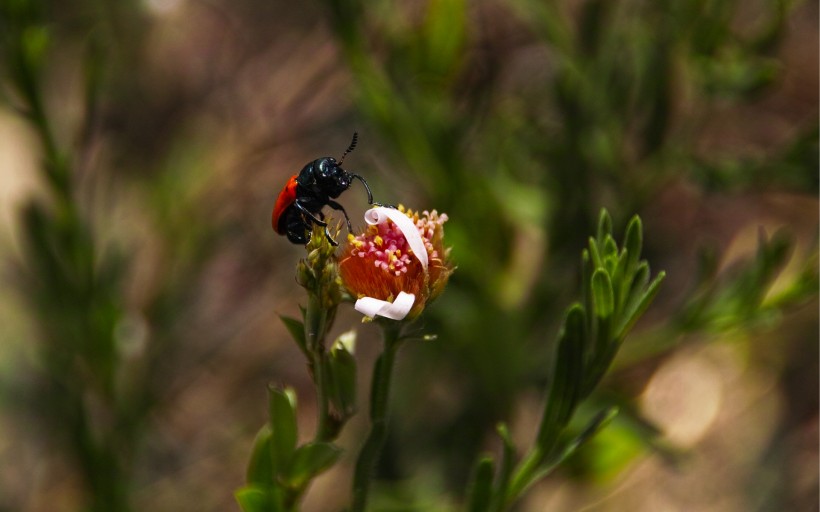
x=379, y=215
x=396, y=310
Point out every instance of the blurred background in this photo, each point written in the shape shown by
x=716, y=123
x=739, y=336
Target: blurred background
x=143, y=144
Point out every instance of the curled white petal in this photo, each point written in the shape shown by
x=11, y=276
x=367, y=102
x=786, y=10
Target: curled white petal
x=395, y=310
x=380, y=214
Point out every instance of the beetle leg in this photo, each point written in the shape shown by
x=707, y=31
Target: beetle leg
x=319, y=222
x=330, y=239
x=337, y=206
x=305, y=211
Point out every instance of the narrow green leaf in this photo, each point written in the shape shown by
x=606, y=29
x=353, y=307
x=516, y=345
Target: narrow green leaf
x=586, y=279
x=602, y=294
x=260, y=467
x=254, y=499
x=633, y=243
x=610, y=250
x=639, y=282
x=605, y=348
x=571, y=353
x=310, y=460
x=480, y=491
x=567, y=379
x=284, y=429
x=296, y=329
x=610, y=262
x=342, y=381
x=523, y=476
x=604, y=225
x=507, y=462
x=601, y=420
x=530, y=474
x=594, y=254
x=632, y=316
x=621, y=281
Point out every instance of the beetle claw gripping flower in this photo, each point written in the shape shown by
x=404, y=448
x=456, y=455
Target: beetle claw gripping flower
x=398, y=264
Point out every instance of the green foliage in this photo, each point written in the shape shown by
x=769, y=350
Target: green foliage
x=279, y=471
x=75, y=295
x=518, y=130
x=617, y=293
x=341, y=381
x=95, y=376
x=608, y=107
x=741, y=299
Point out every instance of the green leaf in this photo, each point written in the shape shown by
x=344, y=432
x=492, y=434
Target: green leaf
x=530, y=474
x=526, y=474
x=604, y=225
x=633, y=243
x=610, y=251
x=253, y=499
x=341, y=369
x=602, y=294
x=637, y=309
x=586, y=279
x=601, y=420
x=621, y=281
x=594, y=254
x=507, y=462
x=296, y=329
x=310, y=460
x=639, y=282
x=568, y=377
x=481, y=492
x=571, y=354
x=260, y=467
x=284, y=428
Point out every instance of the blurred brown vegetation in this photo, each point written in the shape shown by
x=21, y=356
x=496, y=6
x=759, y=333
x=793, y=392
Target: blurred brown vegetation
x=205, y=108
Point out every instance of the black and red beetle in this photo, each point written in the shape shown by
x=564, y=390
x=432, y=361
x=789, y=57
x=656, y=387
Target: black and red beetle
x=301, y=201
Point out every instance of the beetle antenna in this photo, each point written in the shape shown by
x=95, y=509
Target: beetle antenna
x=350, y=148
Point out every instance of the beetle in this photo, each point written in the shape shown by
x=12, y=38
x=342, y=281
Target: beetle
x=303, y=197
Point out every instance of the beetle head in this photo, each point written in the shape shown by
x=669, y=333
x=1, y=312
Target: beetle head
x=330, y=176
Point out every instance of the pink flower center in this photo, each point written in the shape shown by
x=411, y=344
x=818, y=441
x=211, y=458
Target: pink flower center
x=387, y=247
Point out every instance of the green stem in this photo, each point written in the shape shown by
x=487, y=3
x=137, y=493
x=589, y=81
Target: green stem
x=324, y=430
x=379, y=395
x=317, y=322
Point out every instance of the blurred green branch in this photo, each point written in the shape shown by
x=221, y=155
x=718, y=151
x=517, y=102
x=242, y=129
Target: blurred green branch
x=616, y=291
x=99, y=357
x=75, y=294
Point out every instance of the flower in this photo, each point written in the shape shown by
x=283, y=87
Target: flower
x=399, y=264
